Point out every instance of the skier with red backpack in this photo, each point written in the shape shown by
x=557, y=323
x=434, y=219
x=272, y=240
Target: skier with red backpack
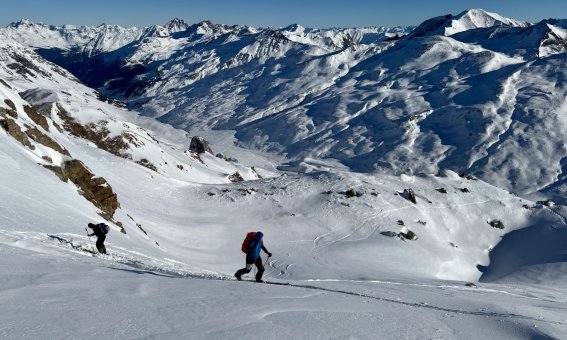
x=100, y=230
x=252, y=246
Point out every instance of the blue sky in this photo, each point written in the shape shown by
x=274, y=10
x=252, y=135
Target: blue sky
x=262, y=13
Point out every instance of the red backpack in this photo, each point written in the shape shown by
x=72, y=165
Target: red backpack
x=247, y=240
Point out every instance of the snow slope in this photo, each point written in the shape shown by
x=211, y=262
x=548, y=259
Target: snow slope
x=337, y=236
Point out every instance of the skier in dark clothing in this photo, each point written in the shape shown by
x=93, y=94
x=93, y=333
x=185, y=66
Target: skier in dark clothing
x=100, y=230
x=253, y=257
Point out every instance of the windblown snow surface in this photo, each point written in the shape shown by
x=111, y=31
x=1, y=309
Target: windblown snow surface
x=332, y=233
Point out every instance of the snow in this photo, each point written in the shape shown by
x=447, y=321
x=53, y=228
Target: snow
x=405, y=106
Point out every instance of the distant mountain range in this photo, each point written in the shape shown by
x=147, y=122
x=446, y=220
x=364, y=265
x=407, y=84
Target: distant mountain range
x=476, y=93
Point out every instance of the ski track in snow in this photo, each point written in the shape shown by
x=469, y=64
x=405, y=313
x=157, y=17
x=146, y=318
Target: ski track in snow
x=123, y=259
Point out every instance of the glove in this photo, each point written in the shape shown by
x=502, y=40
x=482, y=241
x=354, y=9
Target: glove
x=269, y=254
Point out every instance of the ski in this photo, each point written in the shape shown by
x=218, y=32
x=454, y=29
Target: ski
x=268, y=282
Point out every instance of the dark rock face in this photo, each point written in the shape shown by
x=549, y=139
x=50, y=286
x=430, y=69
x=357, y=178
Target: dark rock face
x=8, y=112
x=10, y=104
x=15, y=131
x=43, y=139
x=236, y=177
x=352, y=193
x=99, y=135
x=147, y=164
x=496, y=224
x=409, y=195
x=95, y=189
x=36, y=117
x=5, y=84
x=442, y=190
x=199, y=145
x=409, y=235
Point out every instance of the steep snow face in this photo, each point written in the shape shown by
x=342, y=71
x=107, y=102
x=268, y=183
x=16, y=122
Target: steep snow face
x=478, y=18
x=468, y=20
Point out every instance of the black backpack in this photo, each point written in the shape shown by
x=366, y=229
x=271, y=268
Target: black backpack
x=104, y=228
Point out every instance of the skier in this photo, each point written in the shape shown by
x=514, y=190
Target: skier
x=253, y=248
x=100, y=230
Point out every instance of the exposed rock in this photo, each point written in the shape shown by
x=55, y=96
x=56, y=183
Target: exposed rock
x=442, y=190
x=5, y=84
x=15, y=131
x=58, y=171
x=547, y=203
x=374, y=194
x=36, y=117
x=8, y=112
x=470, y=285
x=389, y=233
x=47, y=158
x=409, y=235
x=220, y=155
x=199, y=145
x=10, y=104
x=94, y=189
x=465, y=190
x=496, y=224
x=409, y=195
x=235, y=177
x=180, y=167
x=24, y=67
x=147, y=164
x=43, y=139
x=352, y=193
x=256, y=173
x=231, y=159
x=96, y=134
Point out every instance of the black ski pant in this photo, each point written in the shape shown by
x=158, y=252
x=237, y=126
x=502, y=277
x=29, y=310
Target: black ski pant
x=100, y=244
x=248, y=268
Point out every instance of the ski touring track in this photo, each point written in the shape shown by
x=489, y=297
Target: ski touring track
x=122, y=259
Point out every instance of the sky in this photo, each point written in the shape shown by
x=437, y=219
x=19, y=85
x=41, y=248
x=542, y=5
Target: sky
x=264, y=13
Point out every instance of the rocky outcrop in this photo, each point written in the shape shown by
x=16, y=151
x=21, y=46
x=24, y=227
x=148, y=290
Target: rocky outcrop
x=352, y=193
x=15, y=131
x=199, y=145
x=43, y=139
x=147, y=164
x=409, y=195
x=98, y=134
x=94, y=189
x=496, y=224
x=8, y=112
x=236, y=177
x=10, y=104
x=36, y=117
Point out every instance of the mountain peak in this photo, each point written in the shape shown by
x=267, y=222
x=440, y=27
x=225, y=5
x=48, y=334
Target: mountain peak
x=21, y=23
x=479, y=18
x=176, y=25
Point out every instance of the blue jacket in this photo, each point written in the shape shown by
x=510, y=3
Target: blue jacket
x=254, y=247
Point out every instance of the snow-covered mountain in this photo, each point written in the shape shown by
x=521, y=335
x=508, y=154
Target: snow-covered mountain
x=424, y=103
x=440, y=128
